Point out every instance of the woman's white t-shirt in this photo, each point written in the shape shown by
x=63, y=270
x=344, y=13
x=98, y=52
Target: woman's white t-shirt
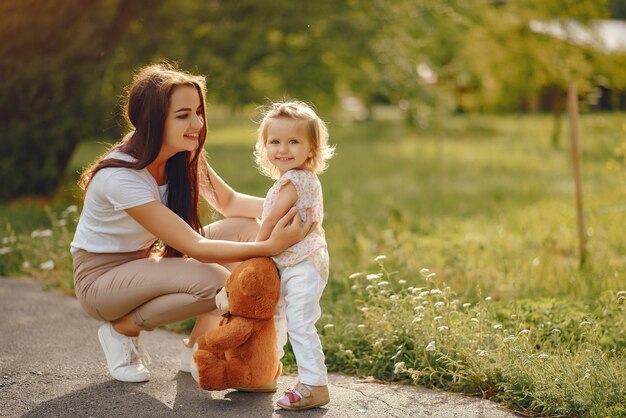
x=104, y=226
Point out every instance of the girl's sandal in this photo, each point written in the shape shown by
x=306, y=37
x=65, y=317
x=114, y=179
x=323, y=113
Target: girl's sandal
x=304, y=397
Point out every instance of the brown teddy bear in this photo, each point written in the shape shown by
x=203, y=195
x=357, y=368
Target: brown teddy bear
x=241, y=353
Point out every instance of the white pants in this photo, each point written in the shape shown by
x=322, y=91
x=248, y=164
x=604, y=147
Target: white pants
x=298, y=309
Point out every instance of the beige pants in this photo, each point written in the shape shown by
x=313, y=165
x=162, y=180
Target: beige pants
x=155, y=290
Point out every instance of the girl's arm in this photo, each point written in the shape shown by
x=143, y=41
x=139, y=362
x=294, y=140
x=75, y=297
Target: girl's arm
x=172, y=230
x=229, y=203
x=287, y=197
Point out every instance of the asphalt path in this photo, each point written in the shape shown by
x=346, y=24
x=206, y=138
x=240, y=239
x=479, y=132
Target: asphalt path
x=51, y=365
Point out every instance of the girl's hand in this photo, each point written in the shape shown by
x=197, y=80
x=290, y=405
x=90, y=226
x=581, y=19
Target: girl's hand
x=290, y=230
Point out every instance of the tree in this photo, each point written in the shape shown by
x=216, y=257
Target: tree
x=517, y=60
x=52, y=55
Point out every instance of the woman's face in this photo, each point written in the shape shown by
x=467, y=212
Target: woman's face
x=183, y=122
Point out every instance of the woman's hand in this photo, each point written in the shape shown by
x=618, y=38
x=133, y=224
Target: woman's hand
x=290, y=230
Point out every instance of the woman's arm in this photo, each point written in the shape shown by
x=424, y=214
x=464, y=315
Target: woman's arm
x=286, y=199
x=172, y=230
x=229, y=203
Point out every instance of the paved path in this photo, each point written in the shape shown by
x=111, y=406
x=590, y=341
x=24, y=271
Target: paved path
x=51, y=365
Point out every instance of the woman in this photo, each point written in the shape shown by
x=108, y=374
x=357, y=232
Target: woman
x=145, y=189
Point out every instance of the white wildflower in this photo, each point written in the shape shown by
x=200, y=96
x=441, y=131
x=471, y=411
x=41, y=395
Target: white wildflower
x=417, y=319
x=508, y=339
x=360, y=326
x=431, y=346
x=5, y=250
x=466, y=305
x=380, y=258
x=354, y=275
x=422, y=294
x=25, y=265
x=556, y=331
x=475, y=320
x=328, y=326
x=372, y=276
x=61, y=222
x=488, y=298
x=542, y=356
x=442, y=328
x=348, y=352
x=424, y=272
x=585, y=323
x=369, y=287
x=41, y=233
x=70, y=209
x=354, y=287
x=436, y=292
x=381, y=284
x=418, y=308
x=482, y=353
x=439, y=305
x=365, y=309
x=399, y=367
x=524, y=331
x=47, y=265
x=431, y=275
x=402, y=281
x=438, y=318
x=587, y=374
x=497, y=326
x=394, y=297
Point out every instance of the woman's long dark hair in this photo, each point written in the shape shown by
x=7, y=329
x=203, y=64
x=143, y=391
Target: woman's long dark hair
x=145, y=110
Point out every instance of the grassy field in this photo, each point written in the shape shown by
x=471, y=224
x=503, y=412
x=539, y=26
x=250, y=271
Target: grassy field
x=486, y=205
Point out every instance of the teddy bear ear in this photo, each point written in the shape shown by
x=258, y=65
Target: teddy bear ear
x=248, y=284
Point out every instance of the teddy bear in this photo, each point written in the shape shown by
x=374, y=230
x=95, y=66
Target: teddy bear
x=241, y=353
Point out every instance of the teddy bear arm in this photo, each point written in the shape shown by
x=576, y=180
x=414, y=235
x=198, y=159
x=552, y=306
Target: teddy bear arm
x=230, y=335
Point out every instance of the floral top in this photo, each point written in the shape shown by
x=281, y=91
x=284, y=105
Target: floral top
x=314, y=246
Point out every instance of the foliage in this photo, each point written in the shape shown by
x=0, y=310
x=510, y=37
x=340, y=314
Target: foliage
x=520, y=62
x=534, y=357
x=60, y=84
x=52, y=55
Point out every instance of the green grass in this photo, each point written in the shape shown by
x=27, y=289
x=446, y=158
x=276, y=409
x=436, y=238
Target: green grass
x=488, y=205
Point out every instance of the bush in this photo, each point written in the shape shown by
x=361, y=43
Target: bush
x=49, y=95
x=537, y=356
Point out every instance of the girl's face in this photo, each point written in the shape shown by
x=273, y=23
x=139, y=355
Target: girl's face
x=183, y=122
x=287, y=144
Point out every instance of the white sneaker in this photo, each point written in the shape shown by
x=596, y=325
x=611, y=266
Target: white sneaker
x=186, y=357
x=125, y=355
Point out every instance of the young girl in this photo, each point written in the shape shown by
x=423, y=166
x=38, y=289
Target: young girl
x=292, y=148
x=146, y=189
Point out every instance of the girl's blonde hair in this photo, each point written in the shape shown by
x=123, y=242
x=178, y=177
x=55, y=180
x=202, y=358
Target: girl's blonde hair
x=318, y=136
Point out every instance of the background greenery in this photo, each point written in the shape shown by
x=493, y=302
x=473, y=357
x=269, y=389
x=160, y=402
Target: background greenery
x=449, y=205
x=63, y=63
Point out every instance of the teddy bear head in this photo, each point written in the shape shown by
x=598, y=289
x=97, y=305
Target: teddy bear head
x=252, y=290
